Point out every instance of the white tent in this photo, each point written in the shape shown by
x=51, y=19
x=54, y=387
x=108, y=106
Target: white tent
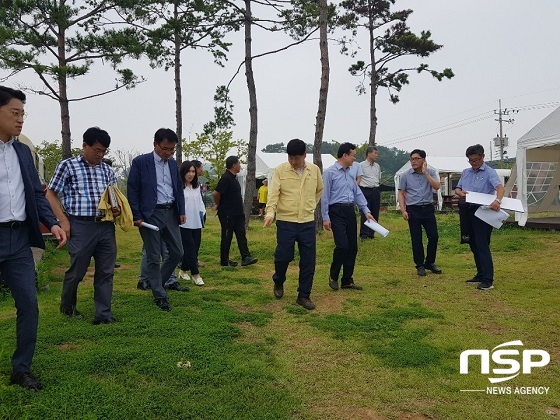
x=536, y=178
x=448, y=170
x=266, y=162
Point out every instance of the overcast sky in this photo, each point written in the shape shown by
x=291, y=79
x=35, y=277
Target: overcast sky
x=498, y=50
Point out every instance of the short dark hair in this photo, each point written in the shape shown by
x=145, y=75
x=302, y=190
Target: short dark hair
x=420, y=152
x=96, y=135
x=230, y=161
x=6, y=95
x=345, y=148
x=296, y=147
x=477, y=149
x=185, y=167
x=197, y=163
x=165, y=134
x=371, y=149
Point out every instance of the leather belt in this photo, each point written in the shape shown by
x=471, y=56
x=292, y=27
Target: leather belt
x=166, y=206
x=14, y=224
x=88, y=218
x=343, y=204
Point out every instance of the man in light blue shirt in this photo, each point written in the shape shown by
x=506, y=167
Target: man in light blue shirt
x=340, y=195
x=483, y=179
x=416, y=200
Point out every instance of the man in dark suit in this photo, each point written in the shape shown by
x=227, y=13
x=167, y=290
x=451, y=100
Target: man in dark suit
x=22, y=205
x=155, y=194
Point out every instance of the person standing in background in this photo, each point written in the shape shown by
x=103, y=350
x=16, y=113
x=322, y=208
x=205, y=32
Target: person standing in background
x=262, y=195
x=369, y=184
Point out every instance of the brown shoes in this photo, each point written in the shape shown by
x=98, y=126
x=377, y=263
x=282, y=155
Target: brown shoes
x=278, y=290
x=306, y=303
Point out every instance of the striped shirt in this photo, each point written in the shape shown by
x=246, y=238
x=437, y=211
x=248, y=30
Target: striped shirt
x=80, y=185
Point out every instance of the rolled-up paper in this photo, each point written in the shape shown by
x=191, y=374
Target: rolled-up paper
x=376, y=227
x=149, y=226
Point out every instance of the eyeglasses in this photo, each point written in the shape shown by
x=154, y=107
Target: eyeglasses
x=414, y=159
x=167, y=149
x=16, y=114
x=478, y=159
x=100, y=152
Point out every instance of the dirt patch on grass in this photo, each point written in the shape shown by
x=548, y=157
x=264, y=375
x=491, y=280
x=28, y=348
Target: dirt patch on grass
x=69, y=347
x=354, y=413
x=330, y=303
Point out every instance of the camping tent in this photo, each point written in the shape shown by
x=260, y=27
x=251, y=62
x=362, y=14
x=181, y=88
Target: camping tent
x=266, y=162
x=535, y=179
x=448, y=170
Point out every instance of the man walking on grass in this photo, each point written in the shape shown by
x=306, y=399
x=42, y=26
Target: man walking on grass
x=340, y=196
x=22, y=205
x=295, y=190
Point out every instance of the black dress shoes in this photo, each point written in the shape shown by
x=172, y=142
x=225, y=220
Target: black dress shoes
x=421, y=271
x=163, y=305
x=278, y=290
x=229, y=263
x=71, y=312
x=26, y=380
x=176, y=286
x=351, y=286
x=433, y=268
x=475, y=279
x=333, y=284
x=248, y=261
x=110, y=320
x=143, y=286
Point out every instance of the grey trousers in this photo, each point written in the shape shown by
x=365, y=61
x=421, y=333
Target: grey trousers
x=143, y=277
x=18, y=272
x=87, y=240
x=168, y=222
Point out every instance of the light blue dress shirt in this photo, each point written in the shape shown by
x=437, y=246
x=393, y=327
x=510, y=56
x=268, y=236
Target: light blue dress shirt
x=340, y=187
x=164, y=181
x=484, y=180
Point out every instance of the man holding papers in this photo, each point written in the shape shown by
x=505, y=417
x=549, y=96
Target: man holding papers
x=74, y=193
x=155, y=194
x=416, y=200
x=340, y=196
x=482, y=179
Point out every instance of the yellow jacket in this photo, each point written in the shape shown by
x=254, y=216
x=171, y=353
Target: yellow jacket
x=124, y=221
x=293, y=198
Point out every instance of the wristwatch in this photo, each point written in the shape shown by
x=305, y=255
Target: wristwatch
x=498, y=200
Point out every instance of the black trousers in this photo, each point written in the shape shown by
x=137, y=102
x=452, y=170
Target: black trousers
x=231, y=225
x=287, y=234
x=191, y=244
x=373, y=198
x=480, y=233
x=423, y=217
x=345, y=232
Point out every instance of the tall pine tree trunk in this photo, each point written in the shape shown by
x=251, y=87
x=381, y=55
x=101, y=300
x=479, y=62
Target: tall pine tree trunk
x=372, y=83
x=63, y=96
x=252, y=146
x=178, y=93
x=323, y=95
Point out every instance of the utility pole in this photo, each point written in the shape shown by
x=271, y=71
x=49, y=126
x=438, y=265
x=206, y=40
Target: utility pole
x=500, y=141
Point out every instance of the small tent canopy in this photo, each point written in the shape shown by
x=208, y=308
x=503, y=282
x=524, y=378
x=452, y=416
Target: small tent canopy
x=266, y=162
x=535, y=179
x=448, y=170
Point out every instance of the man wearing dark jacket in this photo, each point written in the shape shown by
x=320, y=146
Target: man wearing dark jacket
x=22, y=205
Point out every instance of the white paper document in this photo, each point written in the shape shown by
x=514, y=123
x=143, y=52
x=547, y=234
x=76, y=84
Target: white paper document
x=486, y=199
x=494, y=218
x=376, y=227
x=149, y=226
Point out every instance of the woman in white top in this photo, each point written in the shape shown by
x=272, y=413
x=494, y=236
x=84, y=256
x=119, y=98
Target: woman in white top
x=191, y=230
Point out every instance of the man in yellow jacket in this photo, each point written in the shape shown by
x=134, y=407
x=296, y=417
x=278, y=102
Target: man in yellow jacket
x=295, y=190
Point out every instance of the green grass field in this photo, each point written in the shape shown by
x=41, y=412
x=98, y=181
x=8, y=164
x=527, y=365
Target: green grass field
x=390, y=351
